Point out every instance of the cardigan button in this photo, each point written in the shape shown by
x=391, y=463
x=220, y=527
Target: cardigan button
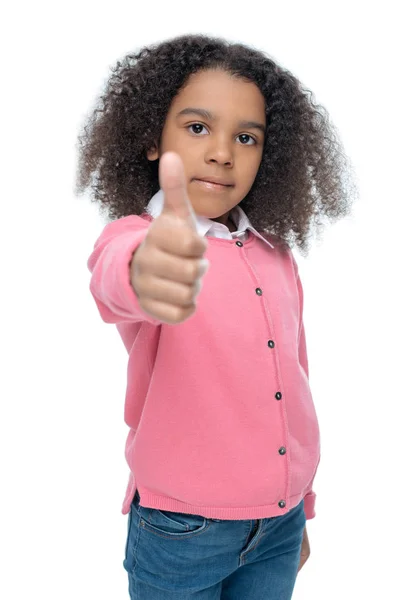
x=271, y=344
x=259, y=291
x=282, y=504
x=239, y=244
x=282, y=450
x=278, y=395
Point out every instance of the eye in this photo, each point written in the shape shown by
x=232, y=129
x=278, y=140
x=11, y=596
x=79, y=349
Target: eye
x=197, y=126
x=247, y=138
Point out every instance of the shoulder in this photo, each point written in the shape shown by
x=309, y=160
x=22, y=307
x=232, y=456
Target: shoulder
x=282, y=247
x=278, y=243
x=128, y=223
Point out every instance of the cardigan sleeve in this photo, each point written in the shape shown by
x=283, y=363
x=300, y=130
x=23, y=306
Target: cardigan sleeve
x=310, y=496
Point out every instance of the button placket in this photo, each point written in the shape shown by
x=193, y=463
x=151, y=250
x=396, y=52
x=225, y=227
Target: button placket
x=278, y=395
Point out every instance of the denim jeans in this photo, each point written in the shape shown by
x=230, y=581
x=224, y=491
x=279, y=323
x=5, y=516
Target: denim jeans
x=170, y=555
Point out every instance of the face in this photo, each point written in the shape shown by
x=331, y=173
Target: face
x=216, y=123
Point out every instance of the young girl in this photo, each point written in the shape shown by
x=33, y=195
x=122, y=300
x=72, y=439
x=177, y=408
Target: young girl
x=211, y=162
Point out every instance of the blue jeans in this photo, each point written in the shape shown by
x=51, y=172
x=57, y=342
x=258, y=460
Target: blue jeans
x=172, y=555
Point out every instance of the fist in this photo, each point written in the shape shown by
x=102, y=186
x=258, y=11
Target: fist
x=167, y=269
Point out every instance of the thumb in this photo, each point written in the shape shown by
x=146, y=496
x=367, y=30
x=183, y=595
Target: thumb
x=173, y=184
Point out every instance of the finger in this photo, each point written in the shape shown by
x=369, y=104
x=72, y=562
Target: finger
x=178, y=294
x=168, y=313
x=180, y=242
x=173, y=267
x=173, y=184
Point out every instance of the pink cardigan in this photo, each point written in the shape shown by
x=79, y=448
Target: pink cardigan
x=221, y=416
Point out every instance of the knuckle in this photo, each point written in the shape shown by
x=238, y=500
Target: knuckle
x=146, y=286
x=190, y=295
x=153, y=237
x=150, y=261
x=190, y=244
x=144, y=304
x=146, y=262
x=197, y=287
x=136, y=289
x=137, y=283
x=191, y=270
x=141, y=257
x=175, y=315
x=185, y=295
x=178, y=314
x=185, y=313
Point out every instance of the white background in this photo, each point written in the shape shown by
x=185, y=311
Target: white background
x=62, y=434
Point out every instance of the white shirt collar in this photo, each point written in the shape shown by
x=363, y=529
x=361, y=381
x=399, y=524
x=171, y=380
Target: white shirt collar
x=207, y=226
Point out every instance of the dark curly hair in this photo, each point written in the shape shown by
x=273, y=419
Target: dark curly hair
x=304, y=174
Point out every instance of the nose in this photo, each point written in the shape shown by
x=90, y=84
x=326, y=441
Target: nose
x=220, y=152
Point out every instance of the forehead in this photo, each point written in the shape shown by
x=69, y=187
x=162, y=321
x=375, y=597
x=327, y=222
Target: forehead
x=221, y=93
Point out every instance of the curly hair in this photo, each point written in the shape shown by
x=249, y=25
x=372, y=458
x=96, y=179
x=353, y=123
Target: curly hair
x=304, y=174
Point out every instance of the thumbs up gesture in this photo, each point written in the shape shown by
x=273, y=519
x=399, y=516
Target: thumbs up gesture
x=167, y=268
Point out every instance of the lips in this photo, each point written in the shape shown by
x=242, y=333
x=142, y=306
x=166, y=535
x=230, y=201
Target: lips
x=217, y=188
x=215, y=181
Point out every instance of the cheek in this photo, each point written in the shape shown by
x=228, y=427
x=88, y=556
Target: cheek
x=177, y=143
x=169, y=138
x=250, y=173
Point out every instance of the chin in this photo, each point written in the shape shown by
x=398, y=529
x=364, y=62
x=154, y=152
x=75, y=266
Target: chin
x=210, y=210
x=209, y=214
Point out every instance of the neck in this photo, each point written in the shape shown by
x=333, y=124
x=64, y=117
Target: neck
x=227, y=220
x=231, y=225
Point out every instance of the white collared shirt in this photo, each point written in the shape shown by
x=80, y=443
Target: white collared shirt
x=208, y=227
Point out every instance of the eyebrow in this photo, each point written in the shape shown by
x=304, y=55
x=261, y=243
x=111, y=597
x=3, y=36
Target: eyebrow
x=201, y=112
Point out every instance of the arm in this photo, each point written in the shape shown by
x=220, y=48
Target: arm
x=109, y=263
x=310, y=497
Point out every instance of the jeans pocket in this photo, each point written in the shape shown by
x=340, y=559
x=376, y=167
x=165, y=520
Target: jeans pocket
x=168, y=523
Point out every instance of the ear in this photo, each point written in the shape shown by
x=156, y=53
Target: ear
x=153, y=153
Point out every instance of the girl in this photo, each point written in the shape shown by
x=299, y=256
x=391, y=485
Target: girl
x=207, y=153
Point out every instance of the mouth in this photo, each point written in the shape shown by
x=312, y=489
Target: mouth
x=214, y=184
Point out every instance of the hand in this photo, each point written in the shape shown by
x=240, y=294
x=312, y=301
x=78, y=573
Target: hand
x=305, y=550
x=167, y=268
